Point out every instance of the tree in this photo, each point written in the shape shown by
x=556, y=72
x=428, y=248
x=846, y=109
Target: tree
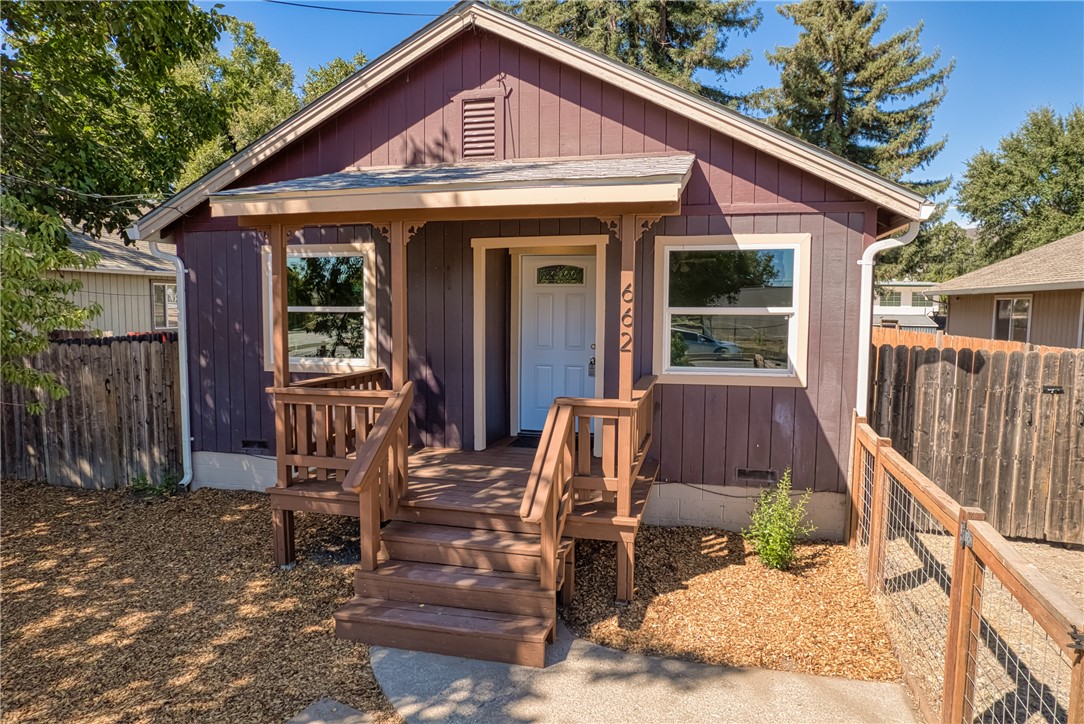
x=670, y=40
x=942, y=250
x=322, y=78
x=870, y=102
x=1031, y=190
x=94, y=122
x=247, y=93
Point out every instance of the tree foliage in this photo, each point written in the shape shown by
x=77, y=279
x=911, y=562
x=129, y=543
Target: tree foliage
x=870, y=101
x=322, y=78
x=94, y=121
x=246, y=93
x=1030, y=191
x=670, y=40
x=941, y=251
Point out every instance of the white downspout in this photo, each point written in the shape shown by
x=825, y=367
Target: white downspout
x=182, y=354
x=865, y=315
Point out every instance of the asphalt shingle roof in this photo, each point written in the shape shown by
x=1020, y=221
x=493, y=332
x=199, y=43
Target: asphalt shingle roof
x=540, y=172
x=1057, y=265
x=117, y=257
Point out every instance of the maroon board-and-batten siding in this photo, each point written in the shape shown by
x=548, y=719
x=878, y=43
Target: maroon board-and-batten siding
x=705, y=433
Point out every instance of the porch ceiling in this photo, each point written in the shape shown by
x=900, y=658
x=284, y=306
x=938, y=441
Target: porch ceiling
x=645, y=183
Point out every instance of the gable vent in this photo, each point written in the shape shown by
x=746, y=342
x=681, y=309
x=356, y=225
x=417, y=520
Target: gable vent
x=480, y=128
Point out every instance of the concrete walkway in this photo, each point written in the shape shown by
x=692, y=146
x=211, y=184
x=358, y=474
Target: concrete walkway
x=584, y=682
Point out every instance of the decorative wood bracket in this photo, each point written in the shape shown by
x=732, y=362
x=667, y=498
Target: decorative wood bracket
x=612, y=223
x=644, y=223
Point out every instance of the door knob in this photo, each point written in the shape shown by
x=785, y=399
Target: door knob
x=591, y=367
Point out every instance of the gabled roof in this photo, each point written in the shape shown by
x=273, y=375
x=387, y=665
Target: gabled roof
x=118, y=257
x=903, y=203
x=1057, y=265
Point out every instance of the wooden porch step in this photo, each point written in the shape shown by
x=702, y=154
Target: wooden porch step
x=467, y=547
x=493, y=505
x=489, y=635
x=483, y=590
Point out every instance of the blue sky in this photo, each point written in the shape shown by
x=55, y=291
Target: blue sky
x=1010, y=56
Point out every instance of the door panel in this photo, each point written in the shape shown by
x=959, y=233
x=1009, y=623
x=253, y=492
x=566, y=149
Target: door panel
x=557, y=333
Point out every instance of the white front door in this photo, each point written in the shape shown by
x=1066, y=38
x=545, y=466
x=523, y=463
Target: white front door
x=557, y=334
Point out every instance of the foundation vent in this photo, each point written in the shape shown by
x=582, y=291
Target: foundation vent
x=479, y=128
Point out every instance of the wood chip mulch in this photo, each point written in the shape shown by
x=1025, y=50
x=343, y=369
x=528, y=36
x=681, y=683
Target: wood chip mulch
x=118, y=609
x=703, y=595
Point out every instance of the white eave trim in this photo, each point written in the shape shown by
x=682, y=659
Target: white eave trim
x=833, y=169
x=1007, y=288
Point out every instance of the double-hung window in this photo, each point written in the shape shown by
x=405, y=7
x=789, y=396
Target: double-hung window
x=164, y=309
x=1012, y=318
x=330, y=290
x=731, y=310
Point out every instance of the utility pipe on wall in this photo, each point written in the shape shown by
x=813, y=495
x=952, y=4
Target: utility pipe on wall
x=865, y=316
x=182, y=354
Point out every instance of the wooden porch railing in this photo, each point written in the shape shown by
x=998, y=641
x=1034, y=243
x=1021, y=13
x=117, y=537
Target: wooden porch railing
x=563, y=465
x=379, y=472
x=320, y=422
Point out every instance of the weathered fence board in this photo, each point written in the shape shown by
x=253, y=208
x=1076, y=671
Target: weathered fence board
x=999, y=430
x=120, y=420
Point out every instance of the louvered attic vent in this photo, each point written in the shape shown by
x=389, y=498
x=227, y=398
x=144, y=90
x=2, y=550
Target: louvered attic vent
x=479, y=128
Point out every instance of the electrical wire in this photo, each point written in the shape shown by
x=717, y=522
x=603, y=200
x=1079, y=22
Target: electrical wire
x=353, y=10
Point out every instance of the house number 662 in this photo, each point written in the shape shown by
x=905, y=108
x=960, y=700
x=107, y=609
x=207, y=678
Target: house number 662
x=626, y=318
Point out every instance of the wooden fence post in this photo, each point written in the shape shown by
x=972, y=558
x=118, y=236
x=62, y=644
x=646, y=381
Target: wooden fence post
x=1076, y=690
x=961, y=639
x=877, y=519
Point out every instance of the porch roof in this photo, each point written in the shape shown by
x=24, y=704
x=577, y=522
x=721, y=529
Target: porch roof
x=557, y=186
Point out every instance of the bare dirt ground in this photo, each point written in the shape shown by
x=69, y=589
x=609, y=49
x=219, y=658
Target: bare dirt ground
x=1064, y=566
x=116, y=609
x=703, y=595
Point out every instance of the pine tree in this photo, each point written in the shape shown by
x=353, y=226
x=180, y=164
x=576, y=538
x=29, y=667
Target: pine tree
x=871, y=102
x=670, y=40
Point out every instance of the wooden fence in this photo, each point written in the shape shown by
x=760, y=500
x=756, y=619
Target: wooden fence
x=940, y=340
x=1003, y=431
x=120, y=421
x=981, y=633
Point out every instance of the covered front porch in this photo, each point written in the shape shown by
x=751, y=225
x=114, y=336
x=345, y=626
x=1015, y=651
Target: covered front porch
x=488, y=534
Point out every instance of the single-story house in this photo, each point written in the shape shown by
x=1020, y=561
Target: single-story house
x=1036, y=297
x=136, y=290
x=905, y=304
x=536, y=286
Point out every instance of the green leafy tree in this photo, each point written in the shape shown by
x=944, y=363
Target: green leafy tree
x=246, y=93
x=670, y=40
x=94, y=123
x=941, y=251
x=321, y=79
x=1030, y=191
x=870, y=101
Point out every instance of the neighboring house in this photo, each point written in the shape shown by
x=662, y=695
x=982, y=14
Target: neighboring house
x=137, y=291
x=526, y=240
x=905, y=304
x=1035, y=297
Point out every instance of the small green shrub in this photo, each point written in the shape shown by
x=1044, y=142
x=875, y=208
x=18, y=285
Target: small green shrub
x=777, y=523
x=142, y=486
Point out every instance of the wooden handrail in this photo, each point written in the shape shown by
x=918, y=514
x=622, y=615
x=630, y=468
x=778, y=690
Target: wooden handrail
x=377, y=374
x=543, y=471
x=332, y=394
x=380, y=440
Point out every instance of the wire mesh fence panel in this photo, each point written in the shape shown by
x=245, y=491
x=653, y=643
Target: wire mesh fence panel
x=915, y=580
x=864, y=508
x=1016, y=672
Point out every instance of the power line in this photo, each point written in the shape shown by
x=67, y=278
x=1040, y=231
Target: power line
x=353, y=10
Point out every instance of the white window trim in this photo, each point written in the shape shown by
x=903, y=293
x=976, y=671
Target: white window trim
x=167, y=327
x=993, y=320
x=798, y=339
x=316, y=364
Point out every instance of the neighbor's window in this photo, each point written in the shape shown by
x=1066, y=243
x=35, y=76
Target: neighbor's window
x=164, y=310
x=890, y=297
x=1012, y=318
x=731, y=309
x=921, y=300
x=329, y=290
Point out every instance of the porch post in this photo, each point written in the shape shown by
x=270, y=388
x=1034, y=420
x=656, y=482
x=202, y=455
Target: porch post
x=397, y=237
x=280, y=345
x=628, y=234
